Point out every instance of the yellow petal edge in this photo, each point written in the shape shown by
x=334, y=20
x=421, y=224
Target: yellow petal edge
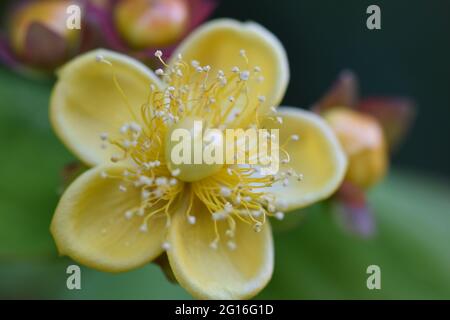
x=218, y=43
x=85, y=101
x=90, y=227
x=318, y=156
x=220, y=273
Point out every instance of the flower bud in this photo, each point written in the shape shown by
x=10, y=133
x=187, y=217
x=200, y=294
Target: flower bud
x=38, y=32
x=362, y=138
x=150, y=23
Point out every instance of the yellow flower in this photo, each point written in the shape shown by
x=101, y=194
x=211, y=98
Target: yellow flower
x=212, y=222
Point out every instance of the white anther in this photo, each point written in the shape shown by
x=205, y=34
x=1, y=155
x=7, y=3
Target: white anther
x=103, y=136
x=206, y=68
x=159, y=72
x=224, y=191
x=191, y=219
x=295, y=137
x=166, y=245
x=261, y=98
x=257, y=226
x=161, y=181
x=213, y=245
x=244, y=75
x=256, y=213
x=171, y=88
x=199, y=69
x=195, y=63
x=271, y=208
x=235, y=69
x=173, y=182
x=219, y=215
x=158, y=53
x=231, y=245
x=176, y=172
x=300, y=177
x=257, y=69
x=148, y=181
x=158, y=193
x=279, y=120
x=230, y=171
x=279, y=215
x=220, y=73
x=273, y=109
x=143, y=227
x=124, y=128
x=231, y=98
x=126, y=144
x=145, y=194
x=128, y=214
x=134, y=127
x=228, y=207
x=242, y=53
x=122, y=188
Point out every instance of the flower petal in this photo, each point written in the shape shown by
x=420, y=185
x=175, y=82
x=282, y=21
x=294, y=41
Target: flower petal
x=90, y=226
x=343, y=93
x=395, y=114
x=317, y=155
x=85, y=101
x=218, y=44
x=220, y=273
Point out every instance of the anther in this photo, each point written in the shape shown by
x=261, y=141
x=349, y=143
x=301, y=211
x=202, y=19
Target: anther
x=191, y=219
x=279, y=215
x=166, y=245
x=158, y=53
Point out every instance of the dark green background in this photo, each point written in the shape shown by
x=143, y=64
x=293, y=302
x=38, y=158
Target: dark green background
x=409, y=56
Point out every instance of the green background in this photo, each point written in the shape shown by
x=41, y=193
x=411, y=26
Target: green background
x=314, y=257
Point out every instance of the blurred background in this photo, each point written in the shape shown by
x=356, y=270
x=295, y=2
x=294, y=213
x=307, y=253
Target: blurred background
x=315, y=258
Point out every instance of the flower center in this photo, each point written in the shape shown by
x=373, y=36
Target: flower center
x=185, y=146
x=166, y=144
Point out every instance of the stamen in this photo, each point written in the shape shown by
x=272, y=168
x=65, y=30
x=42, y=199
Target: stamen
x=234, y=194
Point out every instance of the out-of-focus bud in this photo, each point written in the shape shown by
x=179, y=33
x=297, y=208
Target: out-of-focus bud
x=39, y=35
x=362, y=138
x=149, y=23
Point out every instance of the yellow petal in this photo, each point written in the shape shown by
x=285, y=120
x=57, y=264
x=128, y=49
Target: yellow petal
x=317, y=155
x=219, y=273
x=90, y=226
x=86, y=102
x=218, y=44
